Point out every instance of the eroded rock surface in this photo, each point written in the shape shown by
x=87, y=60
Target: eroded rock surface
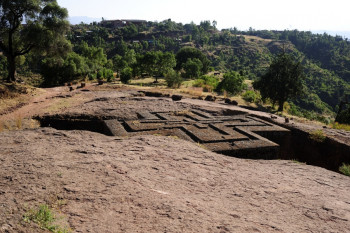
x=162, y=184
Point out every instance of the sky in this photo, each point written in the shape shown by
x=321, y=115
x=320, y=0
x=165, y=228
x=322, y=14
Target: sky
x=313, y=15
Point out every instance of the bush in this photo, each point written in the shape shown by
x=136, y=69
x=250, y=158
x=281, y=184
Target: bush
x=336, y=125
x=126, y=75
x=310, y=115
x=99, y=74
x=45, y=218
x=317, y=136
x=108, y=74
x=173, y=79
x=344, y=117
x=251, y=96
x=233, y=83
x=92, y=76
x=207, y=82
x=345, y=169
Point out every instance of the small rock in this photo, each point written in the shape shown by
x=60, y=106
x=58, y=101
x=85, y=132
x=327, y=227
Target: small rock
x=227, y=101
x=71, y=88
x=153, y=94
x=286, y=120
x=234, y=102
x=210, y=98
x=176, y=97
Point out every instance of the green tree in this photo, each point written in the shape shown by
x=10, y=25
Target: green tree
x=44, y=29
x=57, y=70
x=130, y=57
x=233, y=83
x=173, y=79
x=166, y=62
x=283, y=80
x=148, y=62
x=157, y=63
x=119, y=63
x=126, y=75
x=192, y=68
x=188, y=52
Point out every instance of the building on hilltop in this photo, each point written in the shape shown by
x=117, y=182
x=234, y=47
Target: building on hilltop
x=121, y=22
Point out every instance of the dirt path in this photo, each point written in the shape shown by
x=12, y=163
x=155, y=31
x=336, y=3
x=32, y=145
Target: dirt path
x=37, y=104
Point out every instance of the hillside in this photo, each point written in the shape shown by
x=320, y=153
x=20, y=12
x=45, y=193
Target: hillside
x=100, y=46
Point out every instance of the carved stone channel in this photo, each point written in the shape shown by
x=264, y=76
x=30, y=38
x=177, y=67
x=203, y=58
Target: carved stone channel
x=240, y=136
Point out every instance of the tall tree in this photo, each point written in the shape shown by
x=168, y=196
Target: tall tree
x=283, y=80
x=157, y=63
x=192, y=68
x=188, y=52
x=31, y=24
x=166, y=61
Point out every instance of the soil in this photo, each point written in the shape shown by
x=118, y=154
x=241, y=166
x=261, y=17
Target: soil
x=98, y=183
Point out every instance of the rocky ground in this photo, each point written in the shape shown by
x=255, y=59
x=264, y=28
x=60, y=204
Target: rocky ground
x=97, y=183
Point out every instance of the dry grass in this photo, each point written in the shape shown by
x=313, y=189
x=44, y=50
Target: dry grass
x=336, y=125
x=192, y=91
x=317, y=135
x=19, y=122
x=60, y=104
x=15, y=95
x=148, y=82
x=183, y=113
x=256, y=39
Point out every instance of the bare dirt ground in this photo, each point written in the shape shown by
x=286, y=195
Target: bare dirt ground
x=97, y=183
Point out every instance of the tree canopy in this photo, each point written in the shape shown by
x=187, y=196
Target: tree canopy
x=283, y=80
x=233, y=83
x=191, y=53
x=31, y=25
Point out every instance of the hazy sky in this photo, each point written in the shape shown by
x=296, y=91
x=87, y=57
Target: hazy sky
x=259, y=14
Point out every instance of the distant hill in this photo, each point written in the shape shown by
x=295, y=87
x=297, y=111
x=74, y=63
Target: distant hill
x=345, y=34
x=78, y=19
x=326, y=58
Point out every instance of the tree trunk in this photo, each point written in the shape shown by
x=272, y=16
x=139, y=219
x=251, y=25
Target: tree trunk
x=11, y=67
x=280, y=105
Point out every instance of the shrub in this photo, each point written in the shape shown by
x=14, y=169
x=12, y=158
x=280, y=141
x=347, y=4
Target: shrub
x=233, y=83
x=126, y=75
x=92, y=76
x=336, y=125
x=345, y=169
x=318, y=136
x=173, y=79
x=99, y=74
x=108, y=74
x=344, y=117
x=207, y=82
x=251, y=96
x=45, y=218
